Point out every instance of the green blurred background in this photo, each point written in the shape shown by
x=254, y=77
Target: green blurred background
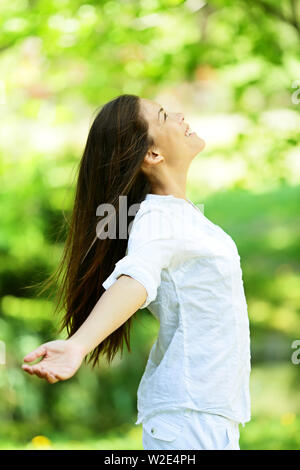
x=232, y=67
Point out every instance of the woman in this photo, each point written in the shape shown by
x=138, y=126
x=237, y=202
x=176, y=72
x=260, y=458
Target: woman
x=195, y=389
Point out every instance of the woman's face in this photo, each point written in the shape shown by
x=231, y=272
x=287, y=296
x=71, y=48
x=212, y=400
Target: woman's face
x=169, y=132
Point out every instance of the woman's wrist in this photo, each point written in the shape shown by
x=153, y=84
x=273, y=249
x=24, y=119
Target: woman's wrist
x=75, y=342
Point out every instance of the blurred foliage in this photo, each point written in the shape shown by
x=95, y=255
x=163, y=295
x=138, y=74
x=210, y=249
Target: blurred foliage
x=232, y=66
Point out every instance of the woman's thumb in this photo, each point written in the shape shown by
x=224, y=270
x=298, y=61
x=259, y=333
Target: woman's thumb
x=38, y=352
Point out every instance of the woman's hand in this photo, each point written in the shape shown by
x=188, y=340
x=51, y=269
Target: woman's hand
x=61, y=360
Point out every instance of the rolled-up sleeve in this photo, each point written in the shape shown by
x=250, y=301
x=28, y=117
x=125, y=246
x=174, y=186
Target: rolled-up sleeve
x=151, y=247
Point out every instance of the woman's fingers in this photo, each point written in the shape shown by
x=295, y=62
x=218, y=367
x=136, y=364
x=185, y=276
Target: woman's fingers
x=50, y=377
x=38, y=371
x=27, y=369
x=41, y=372
x=38, y=352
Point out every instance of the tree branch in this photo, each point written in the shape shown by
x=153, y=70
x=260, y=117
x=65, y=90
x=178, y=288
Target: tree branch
x=274, y=11
x=294, y=14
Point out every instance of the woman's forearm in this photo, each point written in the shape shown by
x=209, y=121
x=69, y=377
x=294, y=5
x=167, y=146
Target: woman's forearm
x=113, y=308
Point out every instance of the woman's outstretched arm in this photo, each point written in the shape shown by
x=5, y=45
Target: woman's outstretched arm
x=114, y=307
x=62, y=358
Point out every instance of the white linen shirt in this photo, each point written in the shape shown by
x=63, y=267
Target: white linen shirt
x=191, y=271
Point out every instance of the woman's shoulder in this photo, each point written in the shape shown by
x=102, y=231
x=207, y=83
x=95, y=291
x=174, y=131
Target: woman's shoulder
x=176, y=217
x=153, y=220
x=157, y=203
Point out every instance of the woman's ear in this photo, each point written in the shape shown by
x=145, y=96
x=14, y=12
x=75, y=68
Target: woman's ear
x=153, y=157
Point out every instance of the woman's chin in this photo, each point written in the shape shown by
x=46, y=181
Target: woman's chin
x=201, y=144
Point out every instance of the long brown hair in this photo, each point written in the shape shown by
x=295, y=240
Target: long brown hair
x=116, y=145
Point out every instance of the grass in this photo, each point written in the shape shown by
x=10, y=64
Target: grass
x=275, y=423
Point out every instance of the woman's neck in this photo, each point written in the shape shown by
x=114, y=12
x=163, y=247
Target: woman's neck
x=170, y=184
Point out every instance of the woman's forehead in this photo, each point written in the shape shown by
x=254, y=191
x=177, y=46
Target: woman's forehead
x=151, y=109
